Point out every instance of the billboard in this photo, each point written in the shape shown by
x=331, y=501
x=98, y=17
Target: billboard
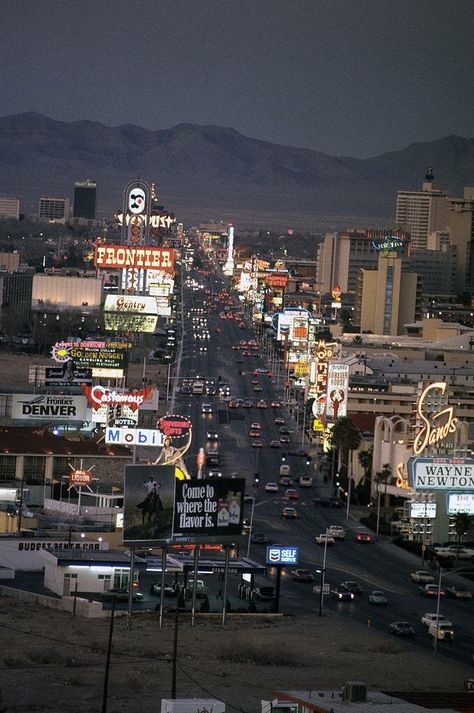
x=116, y=322
x=337, y=390
x=280, y=554
x=130, y=304
x=47, y=407
x=208, y=510
x=422, y=510
x=92, y=355
x=67, y=373
x=433, y=473
x=460, y=502
x=134, y=436
x=99, y=396
x=149, y=492
x=318, y=374
x=124, y=256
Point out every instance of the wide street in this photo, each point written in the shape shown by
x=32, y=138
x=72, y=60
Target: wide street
x=375, y=566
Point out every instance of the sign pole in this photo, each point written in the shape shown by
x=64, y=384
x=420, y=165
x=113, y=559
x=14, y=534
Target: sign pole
x=226, y=576
x=196, y=562
x=130, y=587
x=162, y=593
x=276, y=607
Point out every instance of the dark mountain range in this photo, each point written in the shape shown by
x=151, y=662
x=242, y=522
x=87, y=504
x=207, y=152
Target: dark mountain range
x=210, y=171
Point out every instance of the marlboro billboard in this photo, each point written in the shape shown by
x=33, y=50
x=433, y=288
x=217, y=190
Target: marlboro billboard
x=124, y=256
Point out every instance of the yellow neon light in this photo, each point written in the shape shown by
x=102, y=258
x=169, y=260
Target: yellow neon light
x=430, y=434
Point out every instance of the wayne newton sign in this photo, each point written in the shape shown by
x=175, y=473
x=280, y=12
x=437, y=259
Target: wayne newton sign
x=441, y=473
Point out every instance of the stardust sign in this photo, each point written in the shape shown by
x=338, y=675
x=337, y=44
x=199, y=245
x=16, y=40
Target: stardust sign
x=441, y=473
x=122, y=256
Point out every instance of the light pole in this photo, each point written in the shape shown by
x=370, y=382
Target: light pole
x=323, y=575
x=251, y=527
x=438, y=600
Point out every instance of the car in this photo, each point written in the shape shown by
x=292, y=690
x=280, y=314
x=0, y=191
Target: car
x=352, y=586
x=169, y=590
x=305, y=481
x=431, y=590
x=458, y=593
x=431, y=617
x=255, y=382
x=325, y=539
x=255, y=426
x=378, y=598
x=257, y=444
x=342, y=594
x=264, y=594
x=279, y=420
x=259, y=538
x=284, y=438
x=329, y=502
x=284, y=430
x=271, y=487
x=262, y=404
x=275, y=404
x=245, y=526
x=402, y=628
x=292, y=494
x=421, y=576
x=441, y=630
x=213, y=473
x=302, y=575
x=247, y=404
x=254, y=433
x=206, y=408
x=289, y=513
x=202, y=590
x=234, y=403
x=284, y=469
x=120, y=594
x=286, y=481
x=363, y=536
x=337, y=532
x=275, y=444
x=212, y=436
x=257, y=388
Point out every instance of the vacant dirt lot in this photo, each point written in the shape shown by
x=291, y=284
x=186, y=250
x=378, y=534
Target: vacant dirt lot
x=53, y=662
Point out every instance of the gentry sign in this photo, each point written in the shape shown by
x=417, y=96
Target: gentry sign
x=441, y=473
x=47, y=407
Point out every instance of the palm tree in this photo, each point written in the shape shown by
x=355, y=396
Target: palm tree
x=383, y=478
x=347, y=438
x=365, y=460
x=462, y=524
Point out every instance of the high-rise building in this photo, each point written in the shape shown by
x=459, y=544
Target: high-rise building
x=387, y=298
x=460, y=220
x=9, y=208
x=85, y=199
x=422, y=212
x=54, y=209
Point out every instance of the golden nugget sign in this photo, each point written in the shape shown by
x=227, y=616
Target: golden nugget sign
x=123, y=256
x=436, y=426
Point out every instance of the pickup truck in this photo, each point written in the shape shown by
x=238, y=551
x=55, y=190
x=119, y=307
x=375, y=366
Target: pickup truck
x=453, y=551
x=201, y=588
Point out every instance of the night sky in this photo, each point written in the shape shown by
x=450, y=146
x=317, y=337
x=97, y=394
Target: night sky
x=347, y=77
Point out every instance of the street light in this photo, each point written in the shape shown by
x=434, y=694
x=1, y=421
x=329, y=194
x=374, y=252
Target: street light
x=323, y=574
x=438, y=599
x=251, y=525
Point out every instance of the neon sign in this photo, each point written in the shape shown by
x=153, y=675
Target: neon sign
x=436, y=426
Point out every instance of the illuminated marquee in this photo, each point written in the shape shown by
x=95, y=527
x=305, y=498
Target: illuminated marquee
x=99, y=396
x=319, y=373
x=122, y=256
x=436, y=426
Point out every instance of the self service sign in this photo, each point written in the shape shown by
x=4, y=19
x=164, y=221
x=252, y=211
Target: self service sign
x=278, y=554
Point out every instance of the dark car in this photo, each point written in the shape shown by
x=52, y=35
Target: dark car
x=169, y=590
x=402, y=628
x=353, y=587
x=342, y=594
x=458, y=593
x=302, y=575
x=264, y=594
x=120, y=594
x=330, y=503
x=259, y=538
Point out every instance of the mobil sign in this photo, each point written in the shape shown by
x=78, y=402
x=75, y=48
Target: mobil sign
x=134, y=436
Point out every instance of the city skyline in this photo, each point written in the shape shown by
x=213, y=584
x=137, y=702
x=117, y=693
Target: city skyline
x=356, y=79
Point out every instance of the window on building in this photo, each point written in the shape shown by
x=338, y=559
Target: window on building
x=7, y=467
x=61, y=466
x=33, y=469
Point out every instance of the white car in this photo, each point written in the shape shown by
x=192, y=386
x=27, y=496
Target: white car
x=324, y=538
x=430, y=617
x=271, y=487
x=305, y=481
x=206, y=408
x=337, y=532
x=421, y=576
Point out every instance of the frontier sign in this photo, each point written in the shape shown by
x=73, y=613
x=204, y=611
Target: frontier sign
x=122, y=256
x=441, y=473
